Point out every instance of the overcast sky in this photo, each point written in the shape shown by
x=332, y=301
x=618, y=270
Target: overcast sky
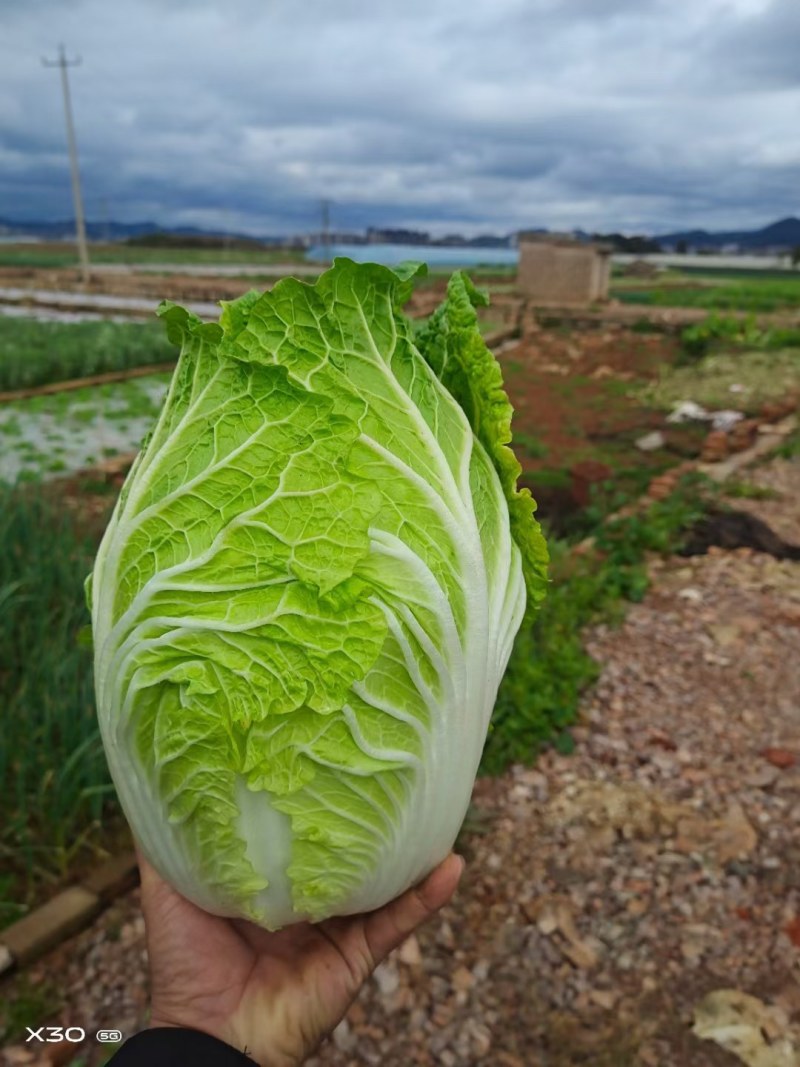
x=448, y=115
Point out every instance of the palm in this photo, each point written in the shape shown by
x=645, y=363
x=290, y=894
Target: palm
x=275, y=995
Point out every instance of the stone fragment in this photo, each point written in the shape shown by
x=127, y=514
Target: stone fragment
x=387, y=977
x=409, y=952
x=604, y=998
x=724, y=634
x=780, y=757
x=735, y=837
x=651, y=442
x=481, y=1040
x=758, y=1034
x=763, y=777
x=462, y=979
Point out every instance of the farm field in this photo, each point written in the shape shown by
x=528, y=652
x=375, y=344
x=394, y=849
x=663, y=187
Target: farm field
x=572, y=719
x=57, y=255
x=583, y=397
x=768, y=291
x=45, y=436
x=40, y=353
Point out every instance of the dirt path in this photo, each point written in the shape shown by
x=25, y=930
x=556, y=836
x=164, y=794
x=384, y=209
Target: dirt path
x=609, y=891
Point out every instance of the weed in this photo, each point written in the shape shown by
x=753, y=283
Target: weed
x=28, y=1003
x=531, y=445
x=646, y=326
x=749, y=491
x=11, y=427
x=53, y=777
x=93, y=486
x=791, y=445
x=726, y=331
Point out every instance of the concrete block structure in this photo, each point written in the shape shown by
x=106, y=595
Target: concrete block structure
x=561, y=270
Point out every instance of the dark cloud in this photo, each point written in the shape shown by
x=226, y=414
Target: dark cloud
x=500, y=114
x=759, y=52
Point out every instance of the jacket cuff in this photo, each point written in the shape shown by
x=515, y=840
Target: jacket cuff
x=173, y=1047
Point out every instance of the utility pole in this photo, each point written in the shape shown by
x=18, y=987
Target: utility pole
x=326, y=228
x=80, y=226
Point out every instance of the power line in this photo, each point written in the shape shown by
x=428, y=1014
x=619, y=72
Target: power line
x=80, y=227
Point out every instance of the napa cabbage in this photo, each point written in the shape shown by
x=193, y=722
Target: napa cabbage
x=308, y=593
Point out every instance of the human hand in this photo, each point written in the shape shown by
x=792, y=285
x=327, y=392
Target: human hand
x=273, y=995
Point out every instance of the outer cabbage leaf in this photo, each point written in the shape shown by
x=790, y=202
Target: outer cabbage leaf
x=307, y=596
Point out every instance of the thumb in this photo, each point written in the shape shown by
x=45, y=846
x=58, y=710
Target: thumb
x=388, y=927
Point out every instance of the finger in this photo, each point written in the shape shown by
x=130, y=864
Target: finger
x=155, y=891
x=388, y=927
x=151, y=881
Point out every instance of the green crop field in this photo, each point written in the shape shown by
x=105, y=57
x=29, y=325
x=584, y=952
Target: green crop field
x=65, y=255
x=37, y=353
x=53, y=779
x=720, y=292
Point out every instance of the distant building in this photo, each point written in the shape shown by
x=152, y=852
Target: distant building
x=561, y=270
x=641, y=268
x=376, y=236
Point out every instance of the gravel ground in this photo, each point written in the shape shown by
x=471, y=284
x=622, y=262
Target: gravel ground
x=607, y=892
x=780, y=477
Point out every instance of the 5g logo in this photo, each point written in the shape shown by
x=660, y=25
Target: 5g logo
x=74, y=1034
x=108, y=1035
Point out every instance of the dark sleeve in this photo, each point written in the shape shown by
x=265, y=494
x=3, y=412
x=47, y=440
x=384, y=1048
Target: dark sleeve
x=170, y=1047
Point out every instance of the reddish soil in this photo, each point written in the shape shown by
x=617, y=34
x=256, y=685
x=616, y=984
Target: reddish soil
x=571, y=388
x=577, y=418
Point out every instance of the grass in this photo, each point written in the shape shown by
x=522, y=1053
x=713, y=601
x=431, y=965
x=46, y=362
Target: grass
x=54, y=785
x=741, y=490
x=38, y=353
x=29, y=1003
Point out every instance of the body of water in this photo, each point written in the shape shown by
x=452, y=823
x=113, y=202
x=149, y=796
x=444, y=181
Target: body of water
x=433, y=255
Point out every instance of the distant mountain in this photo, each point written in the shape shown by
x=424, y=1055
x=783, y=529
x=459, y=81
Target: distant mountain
x=784, y=234
x=64, y=229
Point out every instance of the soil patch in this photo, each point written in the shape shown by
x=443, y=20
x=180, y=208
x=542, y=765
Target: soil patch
x=577, y=415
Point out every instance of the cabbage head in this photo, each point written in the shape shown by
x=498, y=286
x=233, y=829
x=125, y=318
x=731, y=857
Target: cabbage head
x=307, y=595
